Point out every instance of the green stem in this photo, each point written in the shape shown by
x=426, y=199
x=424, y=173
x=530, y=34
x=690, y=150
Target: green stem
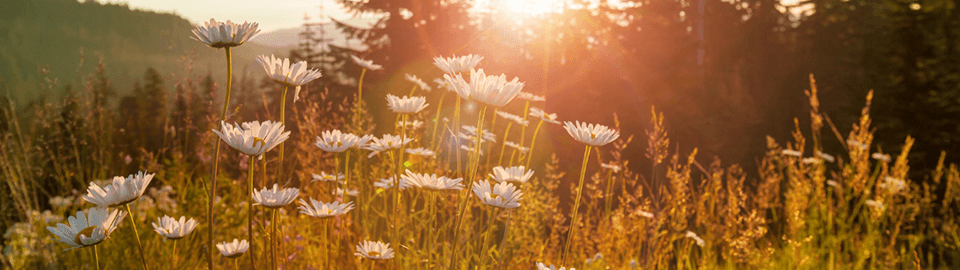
x=216, y=164
x=503, y=144
x=436, y=122
x=533, y=142
x=250, y=207
x=283, y=121
x=523, y=130
x=273, y=240
x=609, y=194
x=143, y=259
x=464, y=197
x=96, y=257
x=503, y=243
x=576, y=207
x=486, y=236
x=356, y=106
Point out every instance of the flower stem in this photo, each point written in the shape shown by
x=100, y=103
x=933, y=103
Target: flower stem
x=436, y=123
x=503, y=145
x=486, y=237
x=523, y=130
x=503, y=243
x=216, y=164
x=464, y=197
x=576, y=206
x=283, y=121
x=96, y=257
x=533, y=142
x=356, y=117
x=273, y=239
x=609, y=199
x=143, y=259
x=250, y=208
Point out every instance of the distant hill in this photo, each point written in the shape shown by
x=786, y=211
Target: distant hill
x=290, y=37
x=57, y=34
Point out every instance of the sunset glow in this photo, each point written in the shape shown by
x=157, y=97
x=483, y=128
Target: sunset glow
x=530, y=7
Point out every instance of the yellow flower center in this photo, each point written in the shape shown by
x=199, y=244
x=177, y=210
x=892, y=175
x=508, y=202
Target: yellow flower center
x=88, y=231
x=495, y=196
x=262, y=143
x=373, y=253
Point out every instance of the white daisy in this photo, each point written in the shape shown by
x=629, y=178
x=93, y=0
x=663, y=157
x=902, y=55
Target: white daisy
x=442, y=84
x=517, y=146
x=406, y=104
x=517, y=174
x=541, y=266
x=420, y=151
x=503, y=195
x=122, y=191
x=610, y=166
x=453, y=65
x=546, y=117
x=472, y=133
x=367, y=64
x=894, y=185
x=387, y=183
x=825, y=156
x=335, y=141
x=349, y=192
x=512, y=117
x=881, y=157
x=84, y=230
x=431, y=181
x=875, y=205
x=491, y=90
x=281, y=72
x=173, y=229
x=386, y=143
x=233, y=249
x=697, y=239
x=644, y=214
x=789, y=152
x=531, y=97
x=857, y=144
x=275, y=197
x=591, y=134
x=413, y=125
x=324, y=210
x=254, y=138
x=374, y=250
x=420, y=83
x=325, y=177
x=224, y=34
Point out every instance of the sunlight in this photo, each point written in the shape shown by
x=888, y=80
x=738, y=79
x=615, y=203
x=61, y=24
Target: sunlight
x=530, y=7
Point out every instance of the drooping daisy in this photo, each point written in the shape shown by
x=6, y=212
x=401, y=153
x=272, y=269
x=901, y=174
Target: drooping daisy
x=173, y=229
x=367, y=64
x=546, y=117
x=325, y=177
x=224, y=34
x=412, y=125
x=122, y=191
x=253, y=138
x=491, y=90
x=349, y=192
x=825, y=156
x=472, y=133
x=517, y=174
x=695, y=237
x=282, y=72
x=233, y=249
x=517, y=146
x=610, y=166
x=275, y=197
x=418, y=81
x=406, y=104
x=432, y=181
x=512, y=117
x=386, y=143
x=503, y=195
x=541, y=266
x=324, y=210
x=453, y=65
x=420, y=151
x=363, y=140
x=84, y=230
x=591, y=134
x=531, y=97
x=374, y=250
x=335, y=141
x=789, y=152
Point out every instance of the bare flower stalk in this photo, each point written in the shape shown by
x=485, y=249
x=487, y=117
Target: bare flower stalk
x=576, y=207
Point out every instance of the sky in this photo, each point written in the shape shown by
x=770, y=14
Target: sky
x=270, y=14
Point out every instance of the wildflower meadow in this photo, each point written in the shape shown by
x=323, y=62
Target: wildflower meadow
x=426, y=183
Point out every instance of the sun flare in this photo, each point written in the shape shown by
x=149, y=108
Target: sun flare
x=531, y=7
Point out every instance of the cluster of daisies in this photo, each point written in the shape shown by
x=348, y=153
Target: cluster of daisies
x=255, y=138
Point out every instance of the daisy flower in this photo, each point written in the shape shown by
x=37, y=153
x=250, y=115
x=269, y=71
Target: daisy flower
x=224, y=34
x=491, y=90
x=420, y=151
x=324, y=210
x=788, y=152
x=374, y=250
x=386, y=143
x=253, y=138
x=406, y=104
x=420, y=83
x=517, y=146
x=697, y=239
x=415, y=124
x=431, y=181
x=233, y=249
x=538, y=113
x=122, y=191
x=325, y=177
x=881, y=157
x=442, y=84
x=84, y=230
x=512, y=117
x=825, y=156
x=503, y=195
x=387, y=183
x=644, y=214
x=857, y=144
x=173, y=229
x=517, y=174
x=591, y=134
x=335, y=141
x=282, y=72
x=472, y=133
x=610, y=166
x=349, y=192
x=531, y=97
x=367, y=64
x=875, y=205
x=275, y=197
x=892, y=184
x=455, y=64
x=541, y=266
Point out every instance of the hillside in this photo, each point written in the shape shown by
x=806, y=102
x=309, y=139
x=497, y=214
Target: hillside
x=69, y=39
